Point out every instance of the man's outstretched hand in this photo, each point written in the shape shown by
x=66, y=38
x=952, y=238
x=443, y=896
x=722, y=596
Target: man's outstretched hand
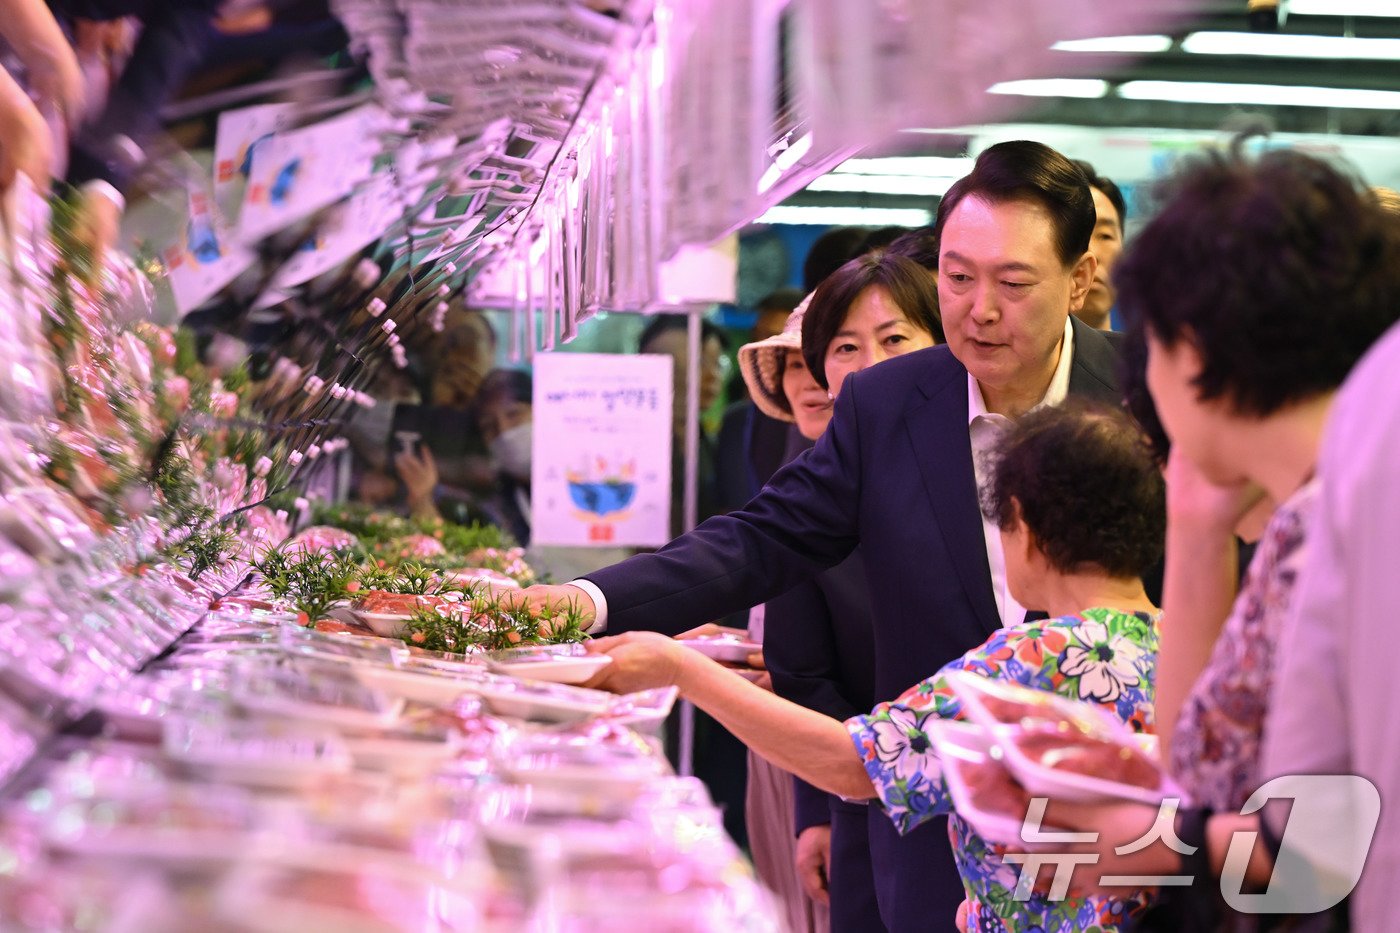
x=557, y=599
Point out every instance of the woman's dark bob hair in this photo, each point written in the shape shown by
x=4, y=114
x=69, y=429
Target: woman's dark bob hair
x=908, y=284
x=1281, y=271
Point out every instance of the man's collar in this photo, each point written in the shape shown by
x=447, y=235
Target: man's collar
x=1055, y=393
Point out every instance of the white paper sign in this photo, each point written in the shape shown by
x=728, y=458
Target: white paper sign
x=205, y=259
x=345, y=230
x=298, y=172
x=239, y=134
x=601, y=468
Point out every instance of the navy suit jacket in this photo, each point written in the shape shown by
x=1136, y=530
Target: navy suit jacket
x=893, y=473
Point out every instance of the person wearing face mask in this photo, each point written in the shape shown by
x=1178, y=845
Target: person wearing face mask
x=818, y=638
x=505, y=417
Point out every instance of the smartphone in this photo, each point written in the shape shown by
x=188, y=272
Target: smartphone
x=406, y=432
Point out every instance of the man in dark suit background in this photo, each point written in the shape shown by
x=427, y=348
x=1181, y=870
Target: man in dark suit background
x=896, y=473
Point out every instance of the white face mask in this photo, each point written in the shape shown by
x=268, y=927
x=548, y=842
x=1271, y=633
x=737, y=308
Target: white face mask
x=511, y=451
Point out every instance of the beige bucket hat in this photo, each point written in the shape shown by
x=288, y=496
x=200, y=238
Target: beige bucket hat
x=761, y=365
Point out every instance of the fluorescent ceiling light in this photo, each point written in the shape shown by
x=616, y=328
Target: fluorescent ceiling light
x=1281, y=45
x=930, y=166
x=1119, y=44
x=1052, y=87
x=846, y=216
x=1200, y=92
x=883, y=184
x=1343, y=8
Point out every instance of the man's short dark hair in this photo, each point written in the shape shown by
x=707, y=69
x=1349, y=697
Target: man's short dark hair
x=1088, y=488
x=665, y=323
x=908, y=285
x=1109, y=188
x=782, y=299
x=881, y=237
x=1281, y=271
x=1025, y=170
x=832, y=250
x=920, y=245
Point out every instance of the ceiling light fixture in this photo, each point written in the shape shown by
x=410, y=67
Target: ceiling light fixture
x=1087, y=88
x=1281, y=45
x=929, y=166
x=883, y=184
x=1281, y=95
x=1128, y=45
x=846, y=216
x=1386, y=8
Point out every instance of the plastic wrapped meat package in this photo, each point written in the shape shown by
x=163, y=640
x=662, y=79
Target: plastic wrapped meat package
x=1062, y=748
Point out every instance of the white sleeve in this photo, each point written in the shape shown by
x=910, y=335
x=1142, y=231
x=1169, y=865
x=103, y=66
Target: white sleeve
x=600, y=605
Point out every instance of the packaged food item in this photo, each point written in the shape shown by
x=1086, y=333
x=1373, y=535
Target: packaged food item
x=379, y=601
x=728, y=648
x=542, y=702
x=186, y=828
x=984, y=792
x=1062, y=748
x=323, y=538
x=1089, y=756
x=256, y=753
x=388, y=614
x=302, y=642
x=427, y=685
x=322, y=693
x=373, y=898
x=993, y=702
x=560, y=664
x=491, y=580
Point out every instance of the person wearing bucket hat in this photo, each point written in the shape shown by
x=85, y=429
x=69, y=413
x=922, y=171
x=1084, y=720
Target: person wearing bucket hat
x=751, y=446
x=764, y=367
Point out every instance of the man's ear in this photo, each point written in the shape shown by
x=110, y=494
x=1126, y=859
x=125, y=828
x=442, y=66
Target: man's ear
x=1081, y=279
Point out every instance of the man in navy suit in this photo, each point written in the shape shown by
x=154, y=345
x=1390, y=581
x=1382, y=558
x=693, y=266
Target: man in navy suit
x=896, y=473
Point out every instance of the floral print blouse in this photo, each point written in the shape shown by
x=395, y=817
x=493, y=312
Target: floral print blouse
x=1100, y=655
x=1216, y=744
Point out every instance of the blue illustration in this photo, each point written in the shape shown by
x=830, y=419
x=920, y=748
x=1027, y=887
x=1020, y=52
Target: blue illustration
x=285, y=179
x=203, y=243
x=602, y=498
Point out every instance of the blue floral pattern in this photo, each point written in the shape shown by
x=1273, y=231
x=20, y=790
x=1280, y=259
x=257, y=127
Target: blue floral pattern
x=1102, y=656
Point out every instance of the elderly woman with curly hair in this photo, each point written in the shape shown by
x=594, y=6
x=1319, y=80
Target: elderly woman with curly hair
x=1081, y=507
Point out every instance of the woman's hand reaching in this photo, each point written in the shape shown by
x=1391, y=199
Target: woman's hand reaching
x=640, y=661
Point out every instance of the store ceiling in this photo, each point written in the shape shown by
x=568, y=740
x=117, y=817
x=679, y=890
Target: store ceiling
x=1288, y=70
x=1332, y=73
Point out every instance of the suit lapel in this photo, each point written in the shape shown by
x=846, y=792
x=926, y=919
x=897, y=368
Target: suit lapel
x=1093, y=372
x=943, y=450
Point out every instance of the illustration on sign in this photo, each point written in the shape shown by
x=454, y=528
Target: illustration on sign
x=605, y=491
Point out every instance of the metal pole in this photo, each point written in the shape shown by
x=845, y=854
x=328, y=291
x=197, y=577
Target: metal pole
x=691, y=504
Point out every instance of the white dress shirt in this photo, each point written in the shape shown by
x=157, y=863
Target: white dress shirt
x=984, y=429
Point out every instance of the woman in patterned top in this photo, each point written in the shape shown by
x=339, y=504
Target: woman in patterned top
x=1081, y=507
x=1294, y=274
